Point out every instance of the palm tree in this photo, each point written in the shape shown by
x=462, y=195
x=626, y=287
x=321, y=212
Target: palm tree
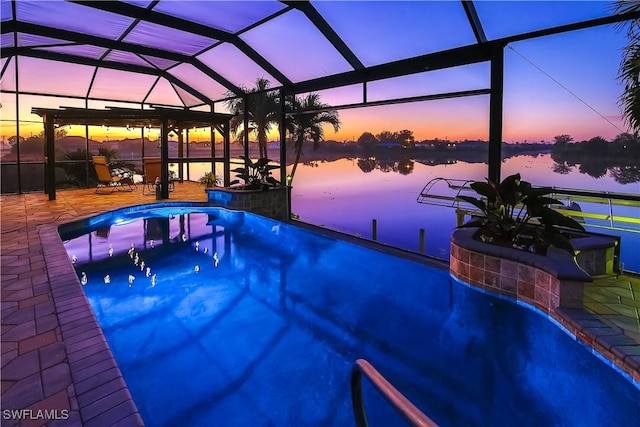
x=629, y=72
x=262, y=109
x=310, y=125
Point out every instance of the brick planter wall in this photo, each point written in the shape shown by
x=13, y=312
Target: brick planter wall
x=272, y=203
x=546, y=282
x=511, y=278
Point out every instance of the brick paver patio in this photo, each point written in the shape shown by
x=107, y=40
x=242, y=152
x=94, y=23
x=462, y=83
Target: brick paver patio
x=54, y=357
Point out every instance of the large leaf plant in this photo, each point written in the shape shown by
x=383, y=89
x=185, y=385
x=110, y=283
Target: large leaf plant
x=256, y=175
x=514, y=208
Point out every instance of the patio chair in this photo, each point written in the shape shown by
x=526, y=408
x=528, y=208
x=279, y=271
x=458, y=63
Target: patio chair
x=109, y=179
x=152, y=167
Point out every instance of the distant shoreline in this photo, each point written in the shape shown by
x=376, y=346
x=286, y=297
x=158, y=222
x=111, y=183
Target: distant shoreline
x=131, y=149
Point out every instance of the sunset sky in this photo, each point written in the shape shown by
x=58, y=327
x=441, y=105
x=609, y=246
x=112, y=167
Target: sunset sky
x=561, y=84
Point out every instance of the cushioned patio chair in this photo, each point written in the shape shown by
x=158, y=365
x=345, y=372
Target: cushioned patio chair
x=153, y=169
x=109, y=180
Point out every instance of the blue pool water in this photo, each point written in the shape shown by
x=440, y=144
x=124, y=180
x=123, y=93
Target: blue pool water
x=268, y=336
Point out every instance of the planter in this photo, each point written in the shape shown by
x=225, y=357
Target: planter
x=545, y=281
x=272, y=203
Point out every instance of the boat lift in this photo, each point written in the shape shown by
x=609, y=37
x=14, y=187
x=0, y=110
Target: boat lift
x=445, y=192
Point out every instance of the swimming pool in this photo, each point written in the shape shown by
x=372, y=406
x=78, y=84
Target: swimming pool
x=249, y=321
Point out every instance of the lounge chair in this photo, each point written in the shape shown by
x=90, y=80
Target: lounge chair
x=110, y=180
x=153, y=169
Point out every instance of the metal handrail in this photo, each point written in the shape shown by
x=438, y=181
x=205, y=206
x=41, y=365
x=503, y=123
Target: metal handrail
x=606, y=195
x=398, y=401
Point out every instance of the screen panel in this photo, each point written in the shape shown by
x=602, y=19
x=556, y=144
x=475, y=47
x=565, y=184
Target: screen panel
x=507, y=18
x=161, y=37
x=85, y=50
x=163, y=93
x=25, y=39
x=6, y=41
x=73, y=17
x=384, y=31
x=228, y=61
x=308, y=53
x=199, y=81
x=126, y=58
x=231, y=16
x=121, y=85
x=53, y=77
x=5, y=10
x=467, y=77
x=8, y=80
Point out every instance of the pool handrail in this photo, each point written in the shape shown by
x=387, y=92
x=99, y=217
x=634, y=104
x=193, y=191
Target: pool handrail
x=411, y=414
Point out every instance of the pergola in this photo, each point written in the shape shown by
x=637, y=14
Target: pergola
x=166, y=119
x=195, y=55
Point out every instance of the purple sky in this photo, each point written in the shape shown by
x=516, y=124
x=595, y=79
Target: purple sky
x=581, y=102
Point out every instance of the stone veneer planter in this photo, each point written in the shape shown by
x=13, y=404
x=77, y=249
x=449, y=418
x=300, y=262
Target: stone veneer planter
x=546, y=282
x=272, y=203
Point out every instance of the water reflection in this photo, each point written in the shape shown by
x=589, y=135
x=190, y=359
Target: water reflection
x=626, y=174
x=562, y=168
x=595, y=158
x=624, y=171
x=598, y=157
x=403, y=166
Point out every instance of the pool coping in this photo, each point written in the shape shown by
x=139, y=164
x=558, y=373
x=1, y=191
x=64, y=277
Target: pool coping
x=101, y=391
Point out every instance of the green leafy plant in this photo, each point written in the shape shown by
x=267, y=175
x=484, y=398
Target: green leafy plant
x=210, y=179
x=515, y=212
x=256, y=175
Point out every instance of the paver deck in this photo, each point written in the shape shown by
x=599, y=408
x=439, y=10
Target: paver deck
x=54, y=357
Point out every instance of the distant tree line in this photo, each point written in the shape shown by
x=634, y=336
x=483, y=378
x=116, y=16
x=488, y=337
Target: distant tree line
x=404, y=138
x=597, y=156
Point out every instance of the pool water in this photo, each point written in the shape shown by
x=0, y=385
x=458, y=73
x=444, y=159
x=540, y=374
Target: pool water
x=265, y=333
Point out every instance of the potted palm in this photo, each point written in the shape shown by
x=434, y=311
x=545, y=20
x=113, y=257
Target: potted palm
x=210, y=180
